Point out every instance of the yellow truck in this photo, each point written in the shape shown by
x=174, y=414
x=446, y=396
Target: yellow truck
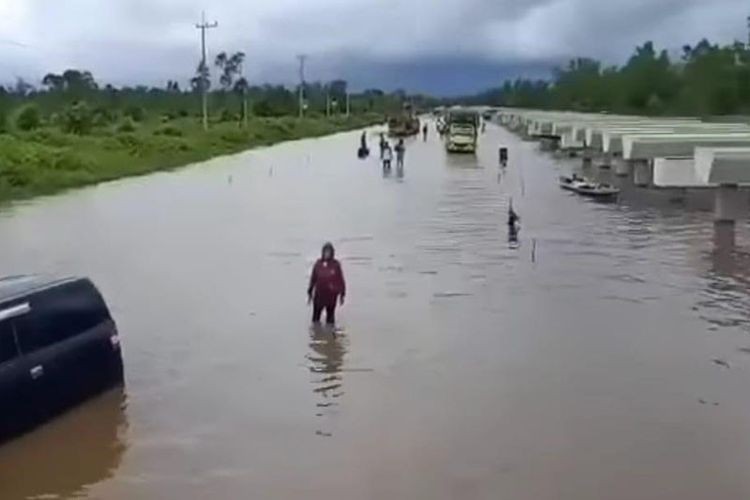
x=462, y=130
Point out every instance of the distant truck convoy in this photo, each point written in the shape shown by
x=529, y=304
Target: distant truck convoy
x=58, y=347
x=462, y=130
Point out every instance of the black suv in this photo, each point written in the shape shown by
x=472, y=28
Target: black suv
x=58, y=347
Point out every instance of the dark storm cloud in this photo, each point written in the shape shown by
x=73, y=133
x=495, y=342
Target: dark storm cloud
x=385, y=42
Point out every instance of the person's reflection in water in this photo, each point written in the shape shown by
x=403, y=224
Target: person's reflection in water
x=400, y=172
x=513, y=225
x=69, y=454
x=325, y=361
x=512, y=236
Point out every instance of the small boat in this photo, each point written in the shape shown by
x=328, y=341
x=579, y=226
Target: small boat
x=586, y=187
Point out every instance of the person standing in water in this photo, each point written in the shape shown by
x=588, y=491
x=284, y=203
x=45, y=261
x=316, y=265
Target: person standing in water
x=387, y=156
x=363, y=151
x=383, y=144
x=400, y=152
x=424, y=132
x=513, y=224
x=327, y=285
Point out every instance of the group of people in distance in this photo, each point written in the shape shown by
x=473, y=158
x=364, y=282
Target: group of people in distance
x=386, y=153
x=327, y=286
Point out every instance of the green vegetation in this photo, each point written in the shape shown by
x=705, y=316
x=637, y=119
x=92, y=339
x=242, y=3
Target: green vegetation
x=704, y=80
x=48, y=159
x=72, y=131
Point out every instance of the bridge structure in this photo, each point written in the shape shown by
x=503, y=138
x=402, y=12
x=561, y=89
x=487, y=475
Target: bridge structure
x=658, y=153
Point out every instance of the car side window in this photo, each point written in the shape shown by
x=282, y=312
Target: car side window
x=8, y=347
x=60, y=313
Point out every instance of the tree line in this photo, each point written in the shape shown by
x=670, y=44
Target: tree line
x=706, y=79
x=76, y=101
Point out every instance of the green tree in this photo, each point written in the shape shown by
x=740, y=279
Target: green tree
x=202, y=79
x=230, y=66
x=78, y=118
x=28, y=117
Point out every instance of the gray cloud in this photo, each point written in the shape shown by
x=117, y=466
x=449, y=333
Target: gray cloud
x=126, y=41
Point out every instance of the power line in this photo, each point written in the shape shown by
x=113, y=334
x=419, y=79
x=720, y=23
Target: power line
x=302, y=59
x=203, y=26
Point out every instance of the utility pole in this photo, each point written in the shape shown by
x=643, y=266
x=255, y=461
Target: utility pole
x=347, y=103
x=203, y=26
x=244, y=96
x=302, y=58
x=328, y=101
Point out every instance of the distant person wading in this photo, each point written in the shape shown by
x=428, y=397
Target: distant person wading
x=387, y=156
x=327, y=285
x=383, y=145
x=400, y=153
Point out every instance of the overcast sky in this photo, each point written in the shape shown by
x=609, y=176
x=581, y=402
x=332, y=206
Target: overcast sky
x=441, y=46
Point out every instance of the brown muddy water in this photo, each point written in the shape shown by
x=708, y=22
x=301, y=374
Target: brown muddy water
x=612, y=365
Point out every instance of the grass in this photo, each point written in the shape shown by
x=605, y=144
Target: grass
x=46, y=160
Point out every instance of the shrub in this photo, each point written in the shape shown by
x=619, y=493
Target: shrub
x=227, y=116
x=28, y=118
x=234, y=136
x=102, y=117
x=168, y=130
x=69, y=161
x=50, y=137
x=137, y=113
x=264, y=108
x=183, y=113
x=15, y=175
x=127, y=125
x=55, y=120
x=78, y=119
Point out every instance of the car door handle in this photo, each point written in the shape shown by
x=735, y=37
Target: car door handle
x=37, y=372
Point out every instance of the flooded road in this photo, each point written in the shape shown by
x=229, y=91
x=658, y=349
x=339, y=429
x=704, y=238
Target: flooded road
x=604, y=357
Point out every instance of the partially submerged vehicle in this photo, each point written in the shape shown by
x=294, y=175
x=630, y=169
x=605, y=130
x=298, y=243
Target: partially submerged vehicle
x=58, y=347
x=586, y=187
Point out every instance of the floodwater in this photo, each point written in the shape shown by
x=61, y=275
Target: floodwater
x=606, y=356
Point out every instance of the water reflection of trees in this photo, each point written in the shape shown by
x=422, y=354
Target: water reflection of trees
x=326, y=361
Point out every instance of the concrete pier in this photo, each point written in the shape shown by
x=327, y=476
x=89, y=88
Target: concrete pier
x=604, y=161
x=548, y=144
x=622, y=167
x=730, y=204
x=642, y=174
x=587, y=158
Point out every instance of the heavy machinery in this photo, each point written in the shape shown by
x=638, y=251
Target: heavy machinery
x=404, y=125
